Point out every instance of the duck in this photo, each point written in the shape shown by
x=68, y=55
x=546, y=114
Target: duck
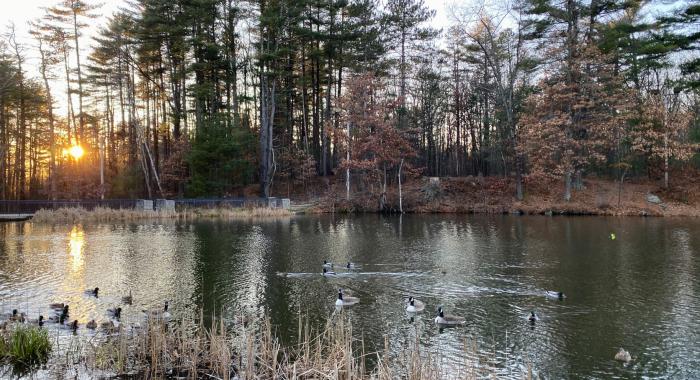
x=557, y=295
x=326, y=264
x=327, y=272
x=115, y=312
x=414, y=305
x=345, y=300
x=93, y=292
x=91, y=325
x=158, y=314
x=128, y=300
x=533, y=317
x=443, y=319
x=623, y=356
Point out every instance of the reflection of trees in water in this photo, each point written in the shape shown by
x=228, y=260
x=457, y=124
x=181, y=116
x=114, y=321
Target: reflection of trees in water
x=496, y=270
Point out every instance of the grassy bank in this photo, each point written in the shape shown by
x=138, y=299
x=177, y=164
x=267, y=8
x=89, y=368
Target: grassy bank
x=251, y=351
x=72, y=215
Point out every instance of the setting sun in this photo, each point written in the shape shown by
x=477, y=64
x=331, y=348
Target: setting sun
x=76, y=151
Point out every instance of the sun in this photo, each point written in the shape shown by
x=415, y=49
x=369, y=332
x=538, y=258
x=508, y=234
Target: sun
x=76, y=151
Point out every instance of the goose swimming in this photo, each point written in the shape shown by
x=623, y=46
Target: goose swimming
x=38, y=322
x=115, y=312
x=443, y=319
x=159, y=314
x=556, y=295
x=414, y=305
x=533, y=317
x=128, y=300
x=327, y=272
x=345, y=300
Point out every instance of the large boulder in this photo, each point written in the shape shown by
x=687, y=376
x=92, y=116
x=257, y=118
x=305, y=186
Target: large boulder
x=654, y=199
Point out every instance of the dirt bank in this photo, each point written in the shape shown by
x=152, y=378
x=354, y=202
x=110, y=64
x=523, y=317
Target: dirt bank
x=542, y=196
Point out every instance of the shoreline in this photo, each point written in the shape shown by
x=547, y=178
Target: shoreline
x=73, y=215
x=543, y=196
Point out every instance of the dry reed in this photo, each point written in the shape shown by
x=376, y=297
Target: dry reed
x=251, y=351
x=101, y=214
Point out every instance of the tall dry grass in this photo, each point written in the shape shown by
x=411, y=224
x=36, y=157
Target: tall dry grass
x=252, y=351
x=101, y=214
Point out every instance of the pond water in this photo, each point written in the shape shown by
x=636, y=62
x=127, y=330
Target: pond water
x=640, y=290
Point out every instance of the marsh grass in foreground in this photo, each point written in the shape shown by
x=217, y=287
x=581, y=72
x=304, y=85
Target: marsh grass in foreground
x=23, y=347
x=251, y=351
x=102, y=214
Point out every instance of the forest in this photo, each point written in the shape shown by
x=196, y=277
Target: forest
x=195, y=98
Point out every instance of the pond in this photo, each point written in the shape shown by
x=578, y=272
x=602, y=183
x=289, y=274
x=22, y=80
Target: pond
x=638, y=289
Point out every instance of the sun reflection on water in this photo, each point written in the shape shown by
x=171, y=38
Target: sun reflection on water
x=75, y=247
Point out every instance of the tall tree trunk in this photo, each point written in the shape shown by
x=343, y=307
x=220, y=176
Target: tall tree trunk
x=49, y=108
x=400, y=193
x=267, y=112
x=81, y=115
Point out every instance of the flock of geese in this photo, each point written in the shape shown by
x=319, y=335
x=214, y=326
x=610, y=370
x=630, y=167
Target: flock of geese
x=60, y=311
x=442, y=319
x=414, y=305
x=60, y=315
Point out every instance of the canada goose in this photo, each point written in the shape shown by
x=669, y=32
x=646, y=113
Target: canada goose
x=345, y=300
x=128, y=300
x=158, y=314
x=443, y=319
x=61, y=315
x=533, y=317
x=350, y=265
x=327, y=272
x=557, y=295
x=414, y=305
x=60, y=319
x=17, y=317
x=326, y=264
x=623, y=356
x=39, y=321
x=91, y=325
x=93, y=292
x=115, y=312
x=107, y=326
x=73, y=326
